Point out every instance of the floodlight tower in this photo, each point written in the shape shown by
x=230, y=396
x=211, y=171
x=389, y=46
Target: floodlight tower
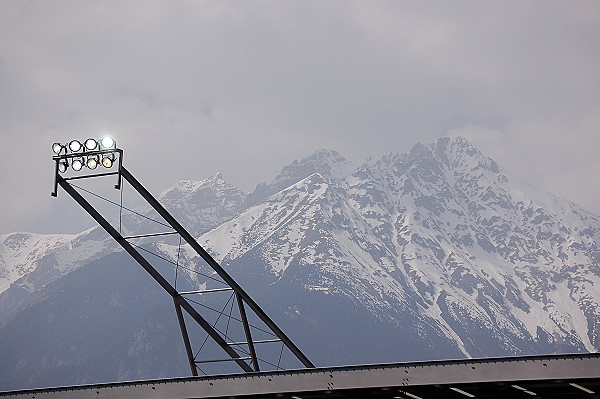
x=87, y=156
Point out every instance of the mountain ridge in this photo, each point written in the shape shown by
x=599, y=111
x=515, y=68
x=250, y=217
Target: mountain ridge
x=478, y=191
x=438, y=248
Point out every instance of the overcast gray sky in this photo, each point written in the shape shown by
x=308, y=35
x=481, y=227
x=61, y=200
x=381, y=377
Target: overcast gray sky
x=191, y=88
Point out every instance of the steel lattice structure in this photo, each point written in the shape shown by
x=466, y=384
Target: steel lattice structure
x=244, y=301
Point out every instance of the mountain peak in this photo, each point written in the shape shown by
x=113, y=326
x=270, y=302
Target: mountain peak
x=216, y=176
x=188, y=187
x=201, y=204
x=455, y=150
x=330, y=164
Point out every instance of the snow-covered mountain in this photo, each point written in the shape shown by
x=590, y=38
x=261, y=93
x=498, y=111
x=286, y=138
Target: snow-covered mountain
x=28, y=262
x=435, y=253
x=327, y=163
x=442, y=233
x=202, y=205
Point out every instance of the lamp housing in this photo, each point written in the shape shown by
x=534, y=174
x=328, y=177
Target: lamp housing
x=57, y=148
x=107, y=142
x=108, y=160
x=75, y=146
x=92, y=162
x=62, y=166
x=77, y=164
x=90, y=144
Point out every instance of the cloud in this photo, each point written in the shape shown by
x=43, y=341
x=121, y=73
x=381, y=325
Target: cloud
x=190, y=88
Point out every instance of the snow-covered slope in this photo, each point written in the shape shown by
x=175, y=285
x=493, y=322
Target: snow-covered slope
x=496, y=265
x=33, y=260
x=20, y=252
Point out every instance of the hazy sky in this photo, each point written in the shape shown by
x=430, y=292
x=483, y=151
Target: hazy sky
x=191, y=88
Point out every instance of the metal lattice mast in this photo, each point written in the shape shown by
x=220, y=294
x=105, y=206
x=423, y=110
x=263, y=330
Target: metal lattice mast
x=113, y=155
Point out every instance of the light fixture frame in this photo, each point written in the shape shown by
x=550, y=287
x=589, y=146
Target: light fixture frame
x=66, y=156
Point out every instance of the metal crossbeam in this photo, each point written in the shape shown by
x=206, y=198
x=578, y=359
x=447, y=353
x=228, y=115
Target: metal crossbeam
x=219, y=360
x=256, y=341
x=150, y=235
x=205, y=291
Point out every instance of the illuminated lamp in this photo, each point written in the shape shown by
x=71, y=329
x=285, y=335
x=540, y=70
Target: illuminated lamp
x=57, y=148
x=108, y=160
x=91, y=144
x=107, y=142
x=77, y=164
x=75, y=146
x=92, y=162
x=62, y=166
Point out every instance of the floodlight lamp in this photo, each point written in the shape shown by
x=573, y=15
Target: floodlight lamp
x=62, y=166
x=91, y=144
x=107, y=142
x=107, y=160
x=75, y=146
x=57, y=148
x=92, y=162
x=77, y=164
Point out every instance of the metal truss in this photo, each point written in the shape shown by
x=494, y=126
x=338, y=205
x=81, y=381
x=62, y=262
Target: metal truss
x=243, y=300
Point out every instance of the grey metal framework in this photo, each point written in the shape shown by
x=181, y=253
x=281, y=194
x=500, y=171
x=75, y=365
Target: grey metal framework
x=553, y=376
x=181, y=303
